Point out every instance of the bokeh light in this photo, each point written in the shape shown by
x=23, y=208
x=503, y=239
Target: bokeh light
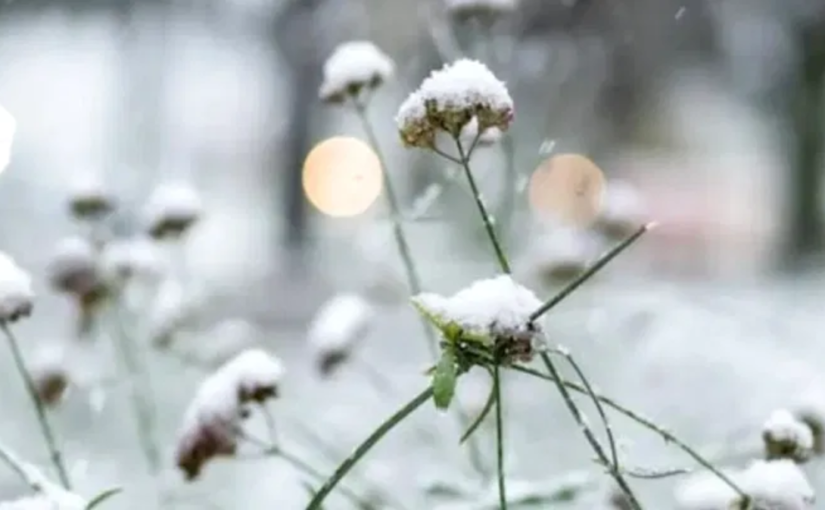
x=342, y=177
x=568, y=188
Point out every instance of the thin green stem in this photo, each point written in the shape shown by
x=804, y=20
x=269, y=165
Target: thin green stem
x=362, y=449
x=488, y=406
x=43, y=420
x=502, y=485
x=482, y=209
x=641, y=420
x=588, y=434
x=590, y=271
x=404, y=250
x=139, y=390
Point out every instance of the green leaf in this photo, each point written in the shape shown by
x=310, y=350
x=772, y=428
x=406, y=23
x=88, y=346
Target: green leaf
x=444, y=380
x=103, y=496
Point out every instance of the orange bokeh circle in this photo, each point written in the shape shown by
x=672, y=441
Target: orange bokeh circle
x=342, y=177
x=568, y=188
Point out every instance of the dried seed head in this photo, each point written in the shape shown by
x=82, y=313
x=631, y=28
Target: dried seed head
x=16, y=295
x=785, y=437
x=354, y=66
x=449, y=99
x=89, y=200
x=172, y=209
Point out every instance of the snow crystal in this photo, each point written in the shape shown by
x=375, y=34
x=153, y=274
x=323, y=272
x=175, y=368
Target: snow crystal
x=16, y=295
x=339, y=323
x=172, y=207
x=499, y=303
x=8, y=128
x=354, y=65
x=774, y=485
x=475, y=7
x=449, y=98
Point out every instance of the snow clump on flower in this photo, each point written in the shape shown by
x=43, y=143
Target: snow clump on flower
x=785, y=437
x=449, y=99
x=89, y=199
x=171, y=209
x=353, y=67
x=338, y=325
x=16, y=295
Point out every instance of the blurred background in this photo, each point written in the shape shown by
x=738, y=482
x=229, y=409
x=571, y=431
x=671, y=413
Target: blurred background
x=714, y=110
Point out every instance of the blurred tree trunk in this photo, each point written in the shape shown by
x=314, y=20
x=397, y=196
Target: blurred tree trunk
x=807, y=120
x=292, y=34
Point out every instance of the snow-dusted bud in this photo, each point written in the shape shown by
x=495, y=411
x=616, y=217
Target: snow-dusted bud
x=89, y=200
x=131, y=258
x=785, y=437
x=481, y=9
x=622, y=212
x=770, y=485
x=172, y=208
x=16, y=295
x=494, y=312
x=449, y=99
x=74, y=267
x=354, y=66
x=212, y=424
x=810, y=410
x=50, y=374
x=489, y=137
x=8, y=129
x=339, y=324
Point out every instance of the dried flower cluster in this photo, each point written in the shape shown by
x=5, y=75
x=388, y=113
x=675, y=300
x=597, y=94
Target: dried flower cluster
x=449, y=99
x=354, y=67
x=212, y=424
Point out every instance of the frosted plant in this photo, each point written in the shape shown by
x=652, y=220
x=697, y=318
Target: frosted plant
x=785, y=437
x=16, y=295
x=336, y=328
x=771, y=485
x=50, y=373
x=353, y=67
x=172, y=208
x=449, y=99
x=482, y=9
x=8, y=129
x=74, y=269
x=622, y=210
x=89, y=199
x=213, y=422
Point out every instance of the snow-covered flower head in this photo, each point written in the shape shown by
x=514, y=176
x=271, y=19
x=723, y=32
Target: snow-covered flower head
x=89, y=199
x=771, y=485
x=128, y=258
x=482, y=9
x=8, y=129
x=213, y=420
x=172, y=208
x=491, y=312
x=49, y=373
x=449, y=99
x=16, y=295
x=623, y=210
x=354, y=66
x=810, y=410
x=785, y=437
x=74, y=268
x=338, y=325
x=490, y=136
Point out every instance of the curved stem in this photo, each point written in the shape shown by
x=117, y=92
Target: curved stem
x=482, y=209
x=588, y=434
x=641, y=420
x=502, y=485
x=366, y=446
x=45, y=428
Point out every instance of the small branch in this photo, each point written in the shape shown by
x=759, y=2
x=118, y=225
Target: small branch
x=588, y=434
x=482, y=209
x=502, y=486
x=43, y=420
x=362, y=449
x=590, y=271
